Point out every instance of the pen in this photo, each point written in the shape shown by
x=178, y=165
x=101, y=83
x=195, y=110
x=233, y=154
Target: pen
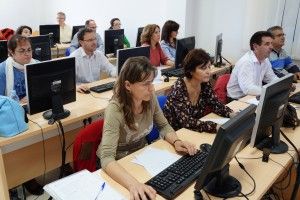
x=101, y=189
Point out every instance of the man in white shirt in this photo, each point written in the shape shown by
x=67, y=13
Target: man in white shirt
x=90, y=61
x=253, y=68
x=65, y=30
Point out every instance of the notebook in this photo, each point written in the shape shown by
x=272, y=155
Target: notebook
x=82, y=185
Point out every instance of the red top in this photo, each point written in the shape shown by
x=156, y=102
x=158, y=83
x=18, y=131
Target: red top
x=157, y=56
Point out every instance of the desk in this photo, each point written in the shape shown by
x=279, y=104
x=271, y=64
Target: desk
x=265, y=174
x=22, y=156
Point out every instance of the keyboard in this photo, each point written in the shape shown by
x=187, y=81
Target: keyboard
x=177, y=177
x=103, y=87
x=176, y=72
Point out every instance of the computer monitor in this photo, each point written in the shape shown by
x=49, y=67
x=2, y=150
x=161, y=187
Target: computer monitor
x=124, y=54
x=52, y=30
x=138, y=37
x=113, y=40
x=75, y=29
x=3, y=50
x=49, y=85
x=183, y=46
x=40, y=46
x=218, y=51
x=270, y=112
x=231, y=138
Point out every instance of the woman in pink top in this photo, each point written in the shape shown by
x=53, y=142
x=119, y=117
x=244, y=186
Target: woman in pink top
x=151, y=36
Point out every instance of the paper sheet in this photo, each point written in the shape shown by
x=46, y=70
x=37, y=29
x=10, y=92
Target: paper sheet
x=82, y=185
x=216, y=120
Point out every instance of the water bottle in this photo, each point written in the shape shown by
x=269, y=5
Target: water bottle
x=14, y=95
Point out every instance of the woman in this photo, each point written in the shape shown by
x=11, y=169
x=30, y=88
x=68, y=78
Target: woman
x=168, y=39
x=151, y=36
x=12, y=69
x=129, y=118
x=192, y=96
x=24, y=30
x=115, y=24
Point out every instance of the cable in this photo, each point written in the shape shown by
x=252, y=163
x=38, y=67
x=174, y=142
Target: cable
x=244, y=169
x=63, y=150
x=44, y=154
x=107, y=99
x=244, y=195
x=250, y=158
x=207, y=195
x=297, y=181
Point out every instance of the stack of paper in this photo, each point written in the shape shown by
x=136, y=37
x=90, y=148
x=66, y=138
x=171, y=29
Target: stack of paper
x=155, y=160
x=82, y=185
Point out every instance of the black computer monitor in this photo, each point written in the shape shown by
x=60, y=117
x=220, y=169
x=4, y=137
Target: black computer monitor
x=113, y=40
x=183, y=46
x=124, y=54
x=270, y=111
x=138, y=37
x=52, y=30
x=75, y=29
x=231, y=138
x=49, y=85
x=41, y=49
x=218, y=51
x=3, y=50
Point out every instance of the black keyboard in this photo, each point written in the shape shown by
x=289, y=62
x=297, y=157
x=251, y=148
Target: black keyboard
x=177, y=177
x=176, y=72
x=103, y=87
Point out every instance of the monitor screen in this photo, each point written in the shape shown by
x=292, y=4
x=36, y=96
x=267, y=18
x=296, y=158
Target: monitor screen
x=138, y=37
x=231, y=138
x=183, y=46
x=218, y=51
x=124, y=54
x=3, y=50
x=113, y=40
x=52, y=30
x=75, y=29
x=50, y=84
x=40, y=46
x=270, y=111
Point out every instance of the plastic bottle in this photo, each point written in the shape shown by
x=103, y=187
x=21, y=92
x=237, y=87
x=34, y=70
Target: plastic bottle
x=14, y=95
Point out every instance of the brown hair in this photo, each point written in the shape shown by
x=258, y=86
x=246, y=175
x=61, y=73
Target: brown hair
x=14, y=41
x=135, y=69
x=148, y=32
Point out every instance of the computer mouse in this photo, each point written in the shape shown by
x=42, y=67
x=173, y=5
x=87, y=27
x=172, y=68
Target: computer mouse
x=205, y=147
x=86, y=91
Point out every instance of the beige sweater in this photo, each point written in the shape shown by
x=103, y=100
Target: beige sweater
x=118, y=140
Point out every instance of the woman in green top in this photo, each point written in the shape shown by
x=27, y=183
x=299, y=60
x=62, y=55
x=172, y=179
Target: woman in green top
x=115, y=24
x=129, y=117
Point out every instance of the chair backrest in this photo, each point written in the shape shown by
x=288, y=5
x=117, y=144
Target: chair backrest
x=85, y=146
x=154, y=134
x=68, y=51
x=220, y=87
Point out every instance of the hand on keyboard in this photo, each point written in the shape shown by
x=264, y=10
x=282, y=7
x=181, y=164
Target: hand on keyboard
x=140, y=191
x=82, y=88
x=186, y=147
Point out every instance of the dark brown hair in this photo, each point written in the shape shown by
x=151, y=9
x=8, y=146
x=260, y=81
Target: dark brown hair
x=193, y=59
x=257, y=38
x=167, y=29
x=14, y=41
x=135, y=69
x=20, y=29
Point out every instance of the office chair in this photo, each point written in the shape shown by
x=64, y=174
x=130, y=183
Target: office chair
x=220, y=87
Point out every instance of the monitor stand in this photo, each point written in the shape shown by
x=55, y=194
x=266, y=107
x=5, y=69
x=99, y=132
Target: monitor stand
x=219, y=63
x=223, y=185
x=57, y=112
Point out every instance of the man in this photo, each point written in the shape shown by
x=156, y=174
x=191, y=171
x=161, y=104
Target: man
x=91, y=24
x=89, y=60
x=281, y=62
x=65, y=30
x=253, y=68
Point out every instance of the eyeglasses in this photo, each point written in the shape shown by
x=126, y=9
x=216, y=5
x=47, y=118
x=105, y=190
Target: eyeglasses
x=93, y=27
x=24, y=51
x=280, y=35
x=90, y=40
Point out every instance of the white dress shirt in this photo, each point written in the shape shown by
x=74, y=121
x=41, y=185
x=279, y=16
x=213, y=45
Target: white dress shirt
x=88, y=68
x=248, y=75
x=65, y=33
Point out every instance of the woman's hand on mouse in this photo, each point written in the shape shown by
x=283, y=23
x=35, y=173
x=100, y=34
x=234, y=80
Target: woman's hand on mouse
x=81, y=88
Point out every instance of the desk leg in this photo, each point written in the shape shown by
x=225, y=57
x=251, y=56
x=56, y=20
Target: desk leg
x=3, y=180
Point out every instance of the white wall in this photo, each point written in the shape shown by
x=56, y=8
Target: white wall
x=236, y=19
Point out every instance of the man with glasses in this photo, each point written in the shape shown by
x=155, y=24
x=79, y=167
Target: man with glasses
x=91, y=24
x=89, y=60
x=281, y=63
x=65, y=30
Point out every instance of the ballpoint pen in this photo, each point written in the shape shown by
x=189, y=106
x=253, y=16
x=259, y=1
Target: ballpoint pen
x=101, y=190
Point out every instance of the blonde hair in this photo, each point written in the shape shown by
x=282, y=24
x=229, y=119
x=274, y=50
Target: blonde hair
x=148, y=32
